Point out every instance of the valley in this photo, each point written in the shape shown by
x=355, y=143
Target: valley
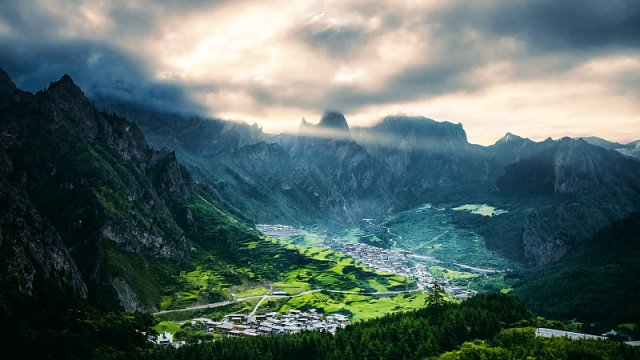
x=402, y=275
x=104, y=231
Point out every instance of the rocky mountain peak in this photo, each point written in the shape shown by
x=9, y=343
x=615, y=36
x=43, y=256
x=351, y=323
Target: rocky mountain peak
x=7, y=86
x=508, y=138
x=334, y=120
x=421, y=130
x=66, y=89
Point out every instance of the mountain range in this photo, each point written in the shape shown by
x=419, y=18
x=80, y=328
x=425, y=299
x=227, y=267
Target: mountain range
x=110, y=203
x=557, y=192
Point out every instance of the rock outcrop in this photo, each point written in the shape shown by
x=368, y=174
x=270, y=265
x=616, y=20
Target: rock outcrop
x=74, y=180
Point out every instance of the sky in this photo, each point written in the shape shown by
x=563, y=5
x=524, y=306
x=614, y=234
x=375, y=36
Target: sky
x=534, y=68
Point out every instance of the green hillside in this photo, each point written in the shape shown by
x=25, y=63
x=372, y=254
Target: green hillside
x=599, y=283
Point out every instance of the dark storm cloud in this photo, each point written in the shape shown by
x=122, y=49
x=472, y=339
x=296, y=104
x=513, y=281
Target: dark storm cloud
x=455, y=43
x=555, y=37
x=37, y=52
x=549, y=24
x=411, y=84
x=26, y=22
x=103, y=72
x=338, y=41
x=145, y=17
x=576, y=24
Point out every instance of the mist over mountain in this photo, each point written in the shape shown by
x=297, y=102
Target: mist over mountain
x=631, y=149
x=96, y=214
x=558, y=192
x=89, y=207
x=414, y=180
x=334, y=120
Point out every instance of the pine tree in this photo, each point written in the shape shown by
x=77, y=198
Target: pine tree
x=436, y=295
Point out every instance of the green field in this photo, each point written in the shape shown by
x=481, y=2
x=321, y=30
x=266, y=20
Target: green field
x=303, y=264
x=480, y=209
x=429, y=231
x=167, y=326
x=322, y=268
x=358, y=307
x=307, y=239
x=440, y=272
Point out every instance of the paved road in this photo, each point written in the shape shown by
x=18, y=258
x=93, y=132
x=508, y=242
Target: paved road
x=432, y=259
x=207, y=306
x=425, y=258
x=477, y=269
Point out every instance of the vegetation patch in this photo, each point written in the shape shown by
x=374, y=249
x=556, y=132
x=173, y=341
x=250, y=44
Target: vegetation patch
x=358, y=307
x=482, y=209
x=449, y=274
x=167, y=326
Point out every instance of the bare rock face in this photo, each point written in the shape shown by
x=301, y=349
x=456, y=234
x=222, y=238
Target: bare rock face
x=30, y=248
x=74, y=180
x=128, y=298
x=540, y=246
x=334, y=120
x=576, y=188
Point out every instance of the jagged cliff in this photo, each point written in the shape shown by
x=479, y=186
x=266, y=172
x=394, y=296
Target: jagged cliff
x=566, y=193
x=75, y=181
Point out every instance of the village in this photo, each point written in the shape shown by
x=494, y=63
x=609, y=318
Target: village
x=245, y=325
x=397, y=262
x=380, y=259
x=279, y=230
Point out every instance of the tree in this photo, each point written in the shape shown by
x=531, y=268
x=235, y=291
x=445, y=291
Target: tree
x=436, y=295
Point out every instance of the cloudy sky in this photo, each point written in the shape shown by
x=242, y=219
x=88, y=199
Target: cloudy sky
x=537, y=68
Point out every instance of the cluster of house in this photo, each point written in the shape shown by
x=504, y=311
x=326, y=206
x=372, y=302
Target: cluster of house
x=292, y=322
x=458, y=291
x=547, y=333
x=278, y=230
x=397, y=262
x=166, y=339
x=379, y=259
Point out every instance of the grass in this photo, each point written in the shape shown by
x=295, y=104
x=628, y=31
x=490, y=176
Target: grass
x=248, y=289
x=242, y=263
x=147, y=275
x=168, y=326
x=491, y=283
x=448, y=274
x=431, y=232
x=323, y=269
x=376, y=285
x=483, y=209
x=354, y=235
x=305, y=240
x=318, y=253
x=167, y=302
x=359, y=307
